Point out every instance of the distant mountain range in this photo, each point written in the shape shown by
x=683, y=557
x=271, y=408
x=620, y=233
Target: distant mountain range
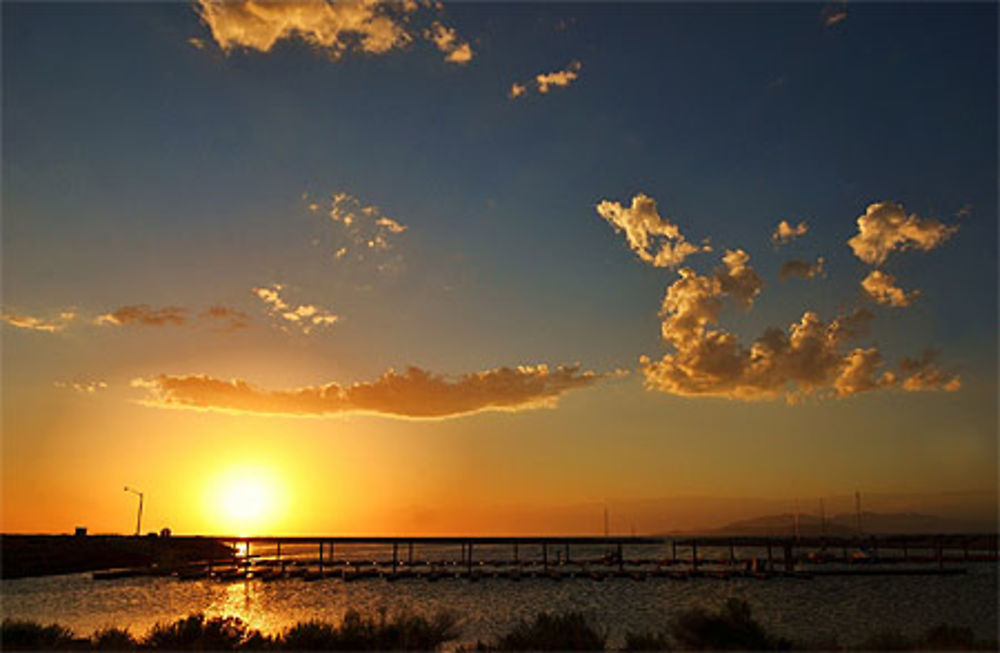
x=847, y=524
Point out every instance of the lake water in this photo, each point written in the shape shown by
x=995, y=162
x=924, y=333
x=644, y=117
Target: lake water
x=845, y=608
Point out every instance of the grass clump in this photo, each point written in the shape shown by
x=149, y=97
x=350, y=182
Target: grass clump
x=733, y=628
x=371, y=633
x=111, y=638
x=16, y=634
x=196, y=633
x=647, y=641
x=547, y=632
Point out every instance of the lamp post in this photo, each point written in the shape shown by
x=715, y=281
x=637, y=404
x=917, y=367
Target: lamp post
x=138, y=521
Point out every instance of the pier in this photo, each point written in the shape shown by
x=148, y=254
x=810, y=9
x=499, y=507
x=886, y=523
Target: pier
x=433, y=559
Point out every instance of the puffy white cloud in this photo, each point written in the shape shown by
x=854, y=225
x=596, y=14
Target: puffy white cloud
x=34, y=323
x=785, y=232
x=882, y=288
x=304, y=318
x=886, y=227
x=447, y=41
x=654, y=239
x=414, y=393
x=801, y=269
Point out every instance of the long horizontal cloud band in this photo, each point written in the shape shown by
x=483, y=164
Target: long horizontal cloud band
x=414, y=393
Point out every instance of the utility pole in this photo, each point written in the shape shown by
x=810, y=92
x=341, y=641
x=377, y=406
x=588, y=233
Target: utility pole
x=857, y=509
x=138, y=521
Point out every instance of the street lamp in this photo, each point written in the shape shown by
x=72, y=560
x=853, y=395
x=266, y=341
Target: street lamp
x=138, y=522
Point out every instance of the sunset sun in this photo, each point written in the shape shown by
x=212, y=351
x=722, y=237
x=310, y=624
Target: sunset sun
x=245, y=500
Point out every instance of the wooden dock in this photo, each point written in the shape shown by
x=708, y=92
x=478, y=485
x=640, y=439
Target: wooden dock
x=567, y=558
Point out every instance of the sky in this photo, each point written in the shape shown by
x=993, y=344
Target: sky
x=485, y=268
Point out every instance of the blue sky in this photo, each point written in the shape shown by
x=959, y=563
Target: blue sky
x=141, y=168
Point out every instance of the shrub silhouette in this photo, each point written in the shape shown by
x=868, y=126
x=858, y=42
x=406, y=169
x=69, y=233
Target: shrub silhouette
x=360, y=633
x=647, y=641
x=949, y=638
x=566, y=632
x=732, y=628
x=18, y=634
x=112, y=638
x=195, y=633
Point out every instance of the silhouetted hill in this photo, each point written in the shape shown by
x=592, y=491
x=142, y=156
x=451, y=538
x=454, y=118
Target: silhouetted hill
x=846, y=524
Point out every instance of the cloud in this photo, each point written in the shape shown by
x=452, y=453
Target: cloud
x=885, y=227
x=801, y=269
x=83, y=387
x=799, y=362
x=236, y=319
x=656, y=240
x=882, y=288
x=561, y=78
x=305, y=318
x=446, y=40
x=333, y=27
x=544, y=82
x=923, y=375
x=33, y=323
x=835, y=17
x=144, y=315
x=363, y=230
x=809, y=358
x=414, y=393
x=785, y=233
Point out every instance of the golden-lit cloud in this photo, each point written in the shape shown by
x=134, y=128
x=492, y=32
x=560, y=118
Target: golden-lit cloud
x=414, y=393
x=231, y=318
x=83, y=387
x=785, y=233
x=886, y=227
x=654, y=239
x=41, y=324
x=333, y=27
x=801, y=269
x=544, y=82
x=835, y=17
x=923, y=375
x=144, y=315
x=362, y=230
x=447, y=41
x=834, y=13
x=304, y=318
x=811, y=357
x=882, y=288
x=801, y=361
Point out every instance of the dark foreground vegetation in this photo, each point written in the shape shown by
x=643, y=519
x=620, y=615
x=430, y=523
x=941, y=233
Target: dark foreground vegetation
x=730, y=628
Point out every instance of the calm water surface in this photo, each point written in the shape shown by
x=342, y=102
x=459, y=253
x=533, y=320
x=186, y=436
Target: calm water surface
x=845, y=608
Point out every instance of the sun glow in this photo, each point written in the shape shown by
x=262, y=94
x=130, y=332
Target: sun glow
x=245, y=500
